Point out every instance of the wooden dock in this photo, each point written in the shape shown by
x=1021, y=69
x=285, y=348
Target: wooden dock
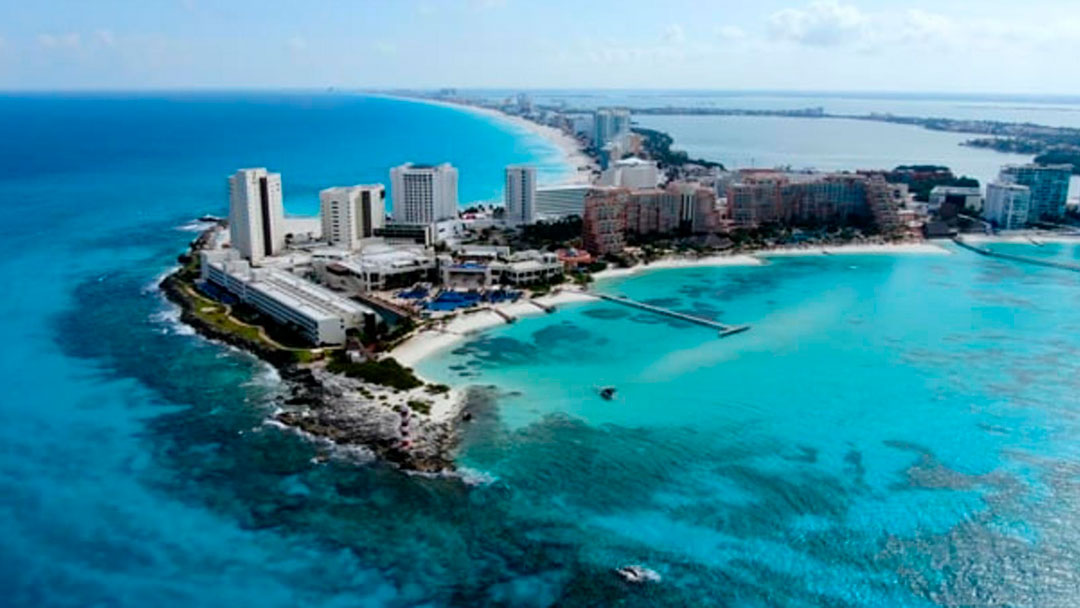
x=724, y=330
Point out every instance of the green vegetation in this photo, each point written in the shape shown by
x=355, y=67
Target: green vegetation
x=422, y=407
x=385, y=372
x=217, y=316
x=551, y=233
x=582, y=278
x=1013, y=145
x=437, y=389
x=1061, y=156
x=921, y=179
x=657, y=145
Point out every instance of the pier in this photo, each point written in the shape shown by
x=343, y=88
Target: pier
x=1016, y=258
x=724, y=329
x=544, y=307
x=505, y=317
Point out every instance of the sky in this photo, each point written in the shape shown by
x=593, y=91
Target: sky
x=969, y=46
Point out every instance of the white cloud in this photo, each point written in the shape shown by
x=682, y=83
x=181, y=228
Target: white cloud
x=830, y=23
x=822, y=23
x=674, y=34
x=59, y=41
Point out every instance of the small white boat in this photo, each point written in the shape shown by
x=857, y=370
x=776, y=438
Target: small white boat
x=637, y=574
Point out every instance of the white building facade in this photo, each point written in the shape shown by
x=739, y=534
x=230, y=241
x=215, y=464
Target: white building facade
x=520, y=195
x=562, y=201
x=1007, y=205
x=424, y=194
x=319, y=315
x=256, y=214
x=963, y=196
x=633, y=173
x=352, y=214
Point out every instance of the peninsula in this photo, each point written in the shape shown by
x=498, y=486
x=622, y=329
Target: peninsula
x=342, y=306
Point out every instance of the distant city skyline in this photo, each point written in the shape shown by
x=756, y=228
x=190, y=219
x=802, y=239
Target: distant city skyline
x=988, y=46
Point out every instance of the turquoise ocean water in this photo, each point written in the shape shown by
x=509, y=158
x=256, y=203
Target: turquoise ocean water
x=894, y=430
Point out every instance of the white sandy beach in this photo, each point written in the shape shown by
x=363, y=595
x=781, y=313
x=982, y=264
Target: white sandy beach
x=679, y=262
x=573, y=154
x=458, y=328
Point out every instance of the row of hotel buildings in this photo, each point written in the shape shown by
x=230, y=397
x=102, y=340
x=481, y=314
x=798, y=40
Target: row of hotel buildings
x=1021, y=195
x=751, y=198
x=309, y=281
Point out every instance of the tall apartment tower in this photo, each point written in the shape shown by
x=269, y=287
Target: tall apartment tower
x=520, y=195
x=609, y=124
x=256, y=215
x=351, y=214
x=1049, y=185
x=424, y=194
x=1007, y=205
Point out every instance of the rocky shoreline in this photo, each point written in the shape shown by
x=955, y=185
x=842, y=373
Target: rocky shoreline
x=344, y=410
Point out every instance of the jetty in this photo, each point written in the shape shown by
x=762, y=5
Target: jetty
x=544, y=307
x=1016, y=258
x=723, y=329
x=505, y=317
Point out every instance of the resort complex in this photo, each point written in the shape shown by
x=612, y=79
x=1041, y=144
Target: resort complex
x=347, y=302
x=366, y=265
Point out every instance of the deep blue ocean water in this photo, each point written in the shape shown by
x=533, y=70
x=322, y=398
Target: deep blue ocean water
x=894, y=430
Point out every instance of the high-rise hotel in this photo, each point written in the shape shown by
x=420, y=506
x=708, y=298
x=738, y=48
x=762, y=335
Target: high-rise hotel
x=424, y=194
x=1049, y=186
x=351, y=214
x=520, y=195
x=256, y=214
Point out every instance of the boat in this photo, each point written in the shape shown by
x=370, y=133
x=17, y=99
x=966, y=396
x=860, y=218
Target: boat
x=637, y=574
x=608, y=392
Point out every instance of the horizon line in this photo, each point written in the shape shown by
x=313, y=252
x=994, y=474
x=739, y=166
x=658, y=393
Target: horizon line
x=982, y=95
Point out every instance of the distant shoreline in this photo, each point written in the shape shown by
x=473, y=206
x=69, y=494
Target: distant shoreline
x=579, y=163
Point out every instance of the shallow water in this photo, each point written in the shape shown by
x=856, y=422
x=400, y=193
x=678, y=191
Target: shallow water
x=893, y=429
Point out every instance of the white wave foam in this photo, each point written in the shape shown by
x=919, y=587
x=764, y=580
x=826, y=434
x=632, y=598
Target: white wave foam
x=194, y=226
x=171, y=323
x=473, y=477
x=152, y=286
x=353, y=454
x=268, y=377
x=470, y=477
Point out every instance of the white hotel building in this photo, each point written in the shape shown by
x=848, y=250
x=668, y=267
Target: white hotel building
x=562, y=201
x=320, y=315
x=351, y=214
x=1008, y=206
x=256, y=215
x=634, y=173
x=424, y=194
